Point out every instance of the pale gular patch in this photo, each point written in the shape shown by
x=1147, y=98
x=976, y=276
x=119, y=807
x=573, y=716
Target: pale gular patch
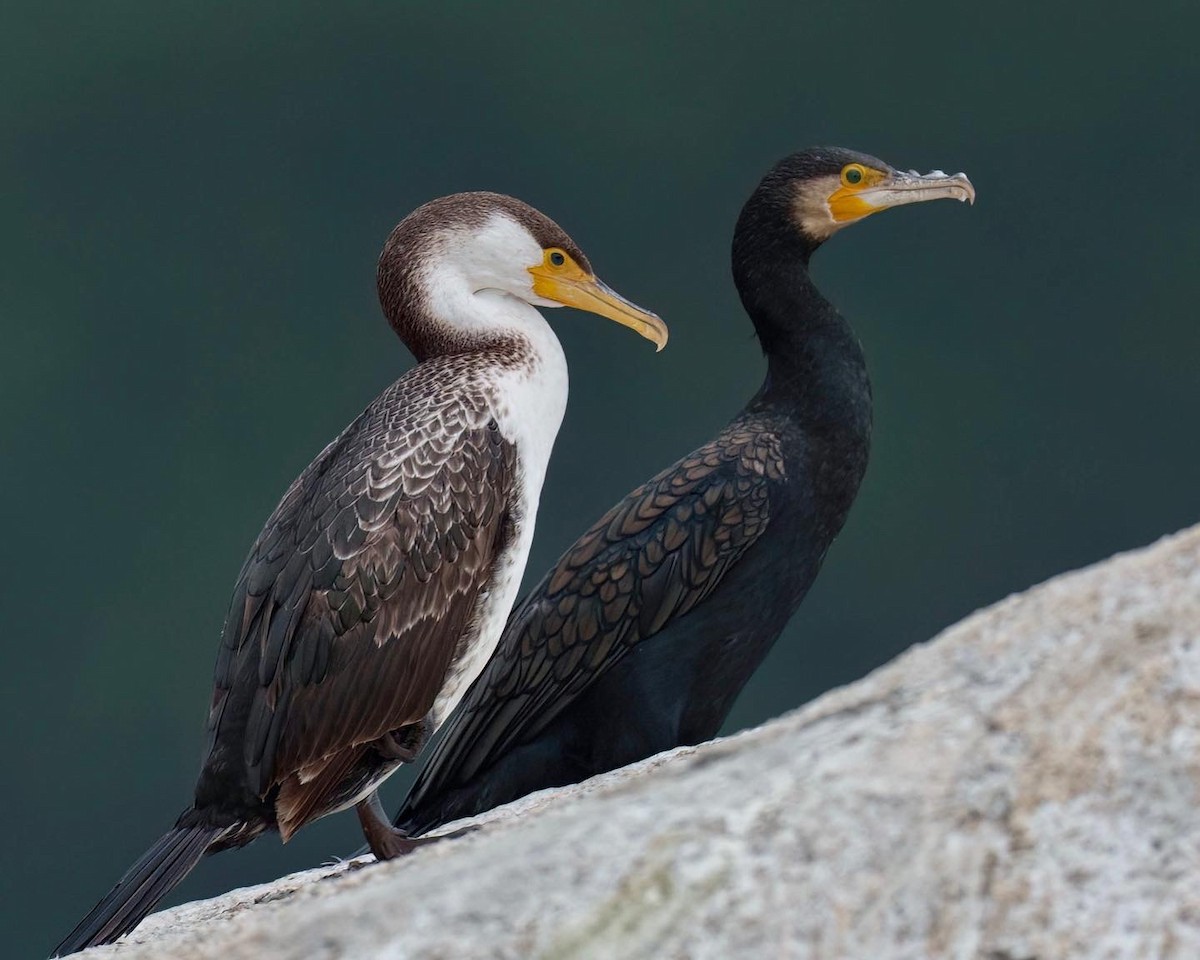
x=476, y=279
x=823, y=205
x=810, y=208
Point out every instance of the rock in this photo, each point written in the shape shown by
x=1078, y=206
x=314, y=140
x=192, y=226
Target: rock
x=1025, y=786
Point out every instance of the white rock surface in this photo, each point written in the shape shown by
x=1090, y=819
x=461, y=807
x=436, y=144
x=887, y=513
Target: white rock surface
x=1025, y=787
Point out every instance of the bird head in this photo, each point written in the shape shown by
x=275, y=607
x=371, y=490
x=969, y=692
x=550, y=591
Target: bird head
x=820, y=190
x=470, y=244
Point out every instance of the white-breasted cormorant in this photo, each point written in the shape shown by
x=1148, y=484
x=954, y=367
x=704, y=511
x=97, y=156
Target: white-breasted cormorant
x=645, y=631
x=380, y=585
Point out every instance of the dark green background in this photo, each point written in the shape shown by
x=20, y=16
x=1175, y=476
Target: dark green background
x=193, y=199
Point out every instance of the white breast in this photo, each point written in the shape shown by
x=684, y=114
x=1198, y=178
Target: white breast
x=530, y=402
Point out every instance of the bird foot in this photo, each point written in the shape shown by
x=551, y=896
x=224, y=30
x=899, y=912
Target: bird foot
x=385, y=841
x=395, y=843
x=405, y=743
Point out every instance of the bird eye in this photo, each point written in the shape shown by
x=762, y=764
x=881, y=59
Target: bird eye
x=557, y=258
x=853, y=174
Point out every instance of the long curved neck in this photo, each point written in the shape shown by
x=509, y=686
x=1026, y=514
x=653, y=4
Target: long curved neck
x=816, y=372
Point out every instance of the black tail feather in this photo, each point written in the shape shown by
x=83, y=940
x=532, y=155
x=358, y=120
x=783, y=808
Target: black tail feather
x=145, y=883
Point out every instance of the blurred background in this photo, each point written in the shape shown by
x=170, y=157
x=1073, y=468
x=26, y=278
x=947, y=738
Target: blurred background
x=194, y=197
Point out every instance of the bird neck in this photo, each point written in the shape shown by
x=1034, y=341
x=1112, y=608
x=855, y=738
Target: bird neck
x=816, y=371
x=437, y=312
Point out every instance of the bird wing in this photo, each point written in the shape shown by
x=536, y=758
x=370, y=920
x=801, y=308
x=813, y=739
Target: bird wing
x=356, y=595
x=649, y=560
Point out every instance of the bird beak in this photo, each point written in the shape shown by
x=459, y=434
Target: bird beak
x=578, y=289
x=894, y=188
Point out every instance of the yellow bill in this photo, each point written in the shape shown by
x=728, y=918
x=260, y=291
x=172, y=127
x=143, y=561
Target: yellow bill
x=558, y=278
x=865, y=190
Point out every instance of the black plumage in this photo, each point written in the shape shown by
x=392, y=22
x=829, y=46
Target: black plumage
x=643, y=634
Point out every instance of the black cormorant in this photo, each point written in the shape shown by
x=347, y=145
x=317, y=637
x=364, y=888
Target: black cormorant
x=643, y=634
x=379, y=586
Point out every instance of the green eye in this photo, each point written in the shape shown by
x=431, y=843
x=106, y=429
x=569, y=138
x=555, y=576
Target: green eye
x=852, y=175
x=557, y=258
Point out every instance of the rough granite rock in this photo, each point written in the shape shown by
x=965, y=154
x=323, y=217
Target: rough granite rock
x=1024, y=787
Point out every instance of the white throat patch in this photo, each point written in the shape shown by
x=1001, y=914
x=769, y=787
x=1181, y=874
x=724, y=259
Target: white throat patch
x=811, y=208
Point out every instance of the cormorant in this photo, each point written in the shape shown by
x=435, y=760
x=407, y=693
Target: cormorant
x=642, y=635
x=380, y=585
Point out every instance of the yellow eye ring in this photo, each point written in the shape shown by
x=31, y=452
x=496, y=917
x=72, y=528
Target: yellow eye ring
x=556, y=258
x=853, y=174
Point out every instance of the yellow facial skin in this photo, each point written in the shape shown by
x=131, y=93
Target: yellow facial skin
x=865, y=190
x=559, y=278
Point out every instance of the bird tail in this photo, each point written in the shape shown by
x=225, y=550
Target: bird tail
x=161, y=867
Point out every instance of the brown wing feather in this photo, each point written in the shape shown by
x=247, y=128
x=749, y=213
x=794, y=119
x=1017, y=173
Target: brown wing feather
x=648, y=561
x=357, y=594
